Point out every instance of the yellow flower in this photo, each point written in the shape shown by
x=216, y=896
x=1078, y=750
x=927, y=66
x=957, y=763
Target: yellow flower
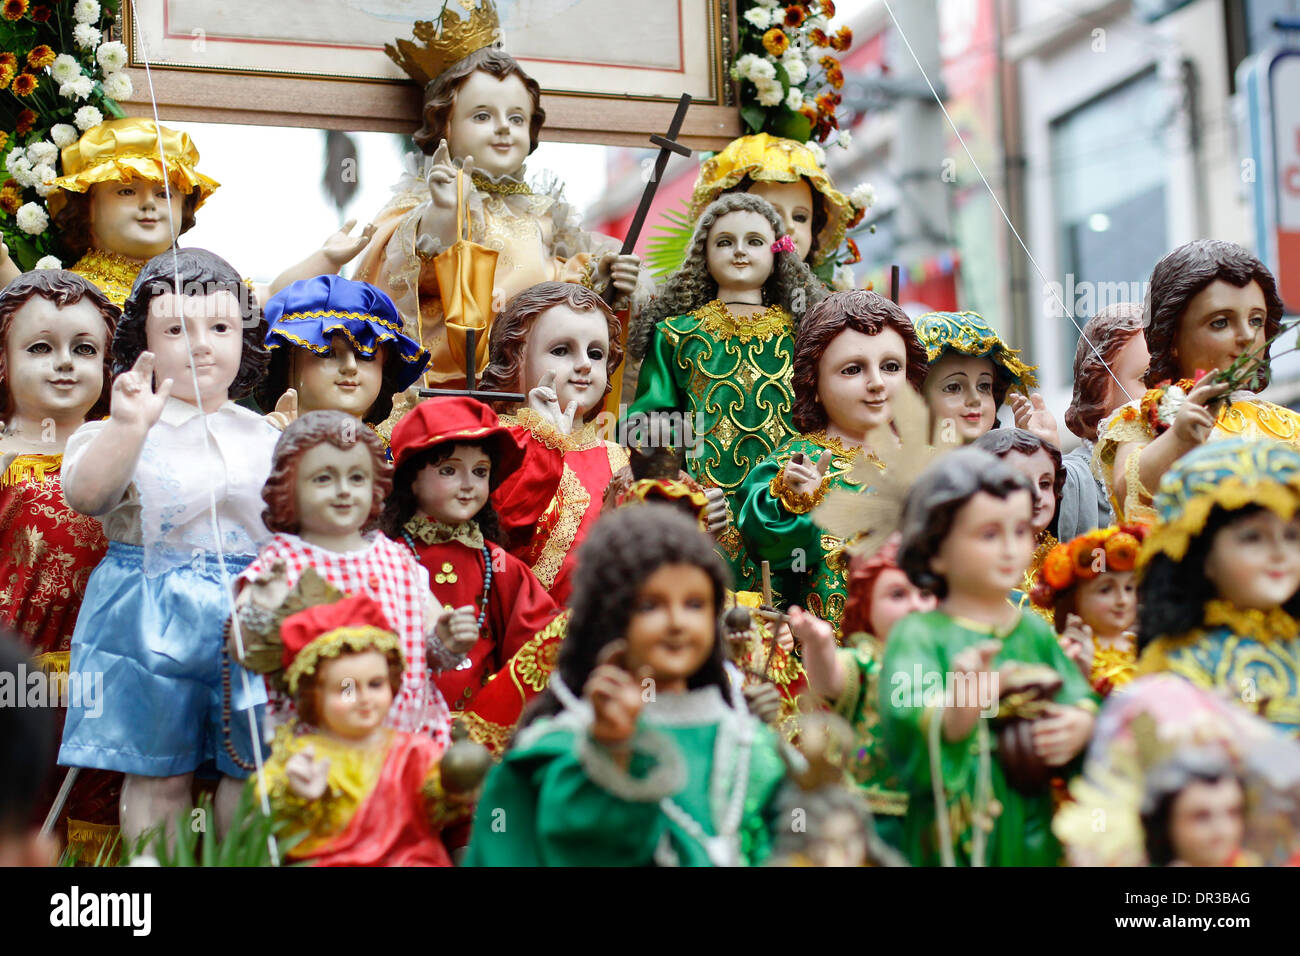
x=40, y=56
x=4, y=140
x=6, y=74
x=775, y=41
x=25, y=84
x=14, y=9
x=10, y=197
x=26, y=120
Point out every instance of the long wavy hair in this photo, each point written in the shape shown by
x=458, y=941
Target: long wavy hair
x=1104, y=336
x=304, y=433
x=691, y=286
x=624, y=548
x=861, y=311
x=62, y=289
x=1179, y=277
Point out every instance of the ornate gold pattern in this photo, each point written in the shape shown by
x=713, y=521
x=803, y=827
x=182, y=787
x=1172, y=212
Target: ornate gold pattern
x=430, y=531
x=533, y=663
x=501, y=187
x=562, y=517
x=492, y=736
x=112, y=273
x=797, y=502
x=1264, y=626
x=720, y=322
x=443, y=43
x=551, y=437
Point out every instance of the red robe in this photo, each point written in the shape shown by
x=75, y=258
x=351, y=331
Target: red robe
x=47, y=552
x=515, y=652
x=548, y=506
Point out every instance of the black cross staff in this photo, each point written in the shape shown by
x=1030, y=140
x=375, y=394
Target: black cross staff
x=667, y=144
x=471, y=379
x=893, y=284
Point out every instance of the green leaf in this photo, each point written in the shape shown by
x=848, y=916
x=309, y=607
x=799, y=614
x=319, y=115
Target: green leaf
x=754, y=116
x=791, y=125
x=666, y=250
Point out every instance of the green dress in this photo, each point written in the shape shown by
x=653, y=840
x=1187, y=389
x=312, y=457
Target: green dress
x=730, y=377
x=777, y=526
x=918, y=658
x=869, y=764
x=558, y=799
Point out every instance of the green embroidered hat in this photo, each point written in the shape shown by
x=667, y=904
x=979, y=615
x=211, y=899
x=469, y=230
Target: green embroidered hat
x=969, y=334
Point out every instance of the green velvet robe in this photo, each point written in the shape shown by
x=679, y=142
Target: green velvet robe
x=920, y=650
x=558, y=799
x=809, y=563
x=730, y=377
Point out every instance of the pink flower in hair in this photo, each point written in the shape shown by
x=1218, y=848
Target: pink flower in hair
x=784, y=244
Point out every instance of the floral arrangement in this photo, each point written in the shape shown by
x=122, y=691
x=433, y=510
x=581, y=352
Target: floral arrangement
x=789, y=83
x=58, y=78
x=1085, y=557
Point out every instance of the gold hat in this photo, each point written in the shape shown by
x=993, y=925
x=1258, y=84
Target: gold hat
x=120, y=150
x=449, y=40
x=771, y=159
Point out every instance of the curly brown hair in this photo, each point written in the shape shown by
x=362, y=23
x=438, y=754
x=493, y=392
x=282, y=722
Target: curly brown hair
x=73, y=220
x=1179, y=277
x=1104, y=335
x=512, y=326
x=304, y=433
x=691, y=286
x=63, y=289
x=861, y=311
x=440, y=96
x=308, y=697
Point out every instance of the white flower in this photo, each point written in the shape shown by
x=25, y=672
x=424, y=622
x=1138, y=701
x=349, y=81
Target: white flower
x=77, y=88
x=43, y=172
x=770, y=93
x=763, y=71
x=32, y=219
x=65, y=67
x=794, y=99
x=48, y=262
x=759, y=17
x=87, y=117
x=842, y=279
x=819, y=154
x=42, y=152
x=818, y=22
x=843, y=137
x=20, y=169
x=768, y=3
x=111, y=56
x=63, y=134
x=86, y=11
x=795, y=69
x=86, y=36
x=117, y=86
x=863, y=196
x=741, y=69
x=14, y=158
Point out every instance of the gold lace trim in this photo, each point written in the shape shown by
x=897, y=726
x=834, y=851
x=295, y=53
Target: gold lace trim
x=836, y=447
x=534, y=662
x=1251, y=622
x=506, y=187
x=31, y=468
x=550, y=436
x=333, y=643
x=431, y=531
x=571, y=501
x=114, y=274
x=492, y=736
x=797, y=503
x=716, y=319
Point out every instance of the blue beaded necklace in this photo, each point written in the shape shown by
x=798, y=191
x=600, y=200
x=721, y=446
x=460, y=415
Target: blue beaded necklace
x=487, y=573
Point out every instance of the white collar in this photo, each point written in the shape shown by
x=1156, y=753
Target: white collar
x=176, y=412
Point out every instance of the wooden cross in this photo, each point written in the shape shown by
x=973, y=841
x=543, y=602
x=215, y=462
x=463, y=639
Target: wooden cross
x=471, y=379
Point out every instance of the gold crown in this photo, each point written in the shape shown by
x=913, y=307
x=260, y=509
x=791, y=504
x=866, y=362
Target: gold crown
x=444, y=42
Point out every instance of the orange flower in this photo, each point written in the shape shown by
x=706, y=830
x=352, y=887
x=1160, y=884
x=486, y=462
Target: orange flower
x=855, y=256
x=825, y=102
x=858, y=214
x=4, y=140
x=828, y=9
x=9, y=60
x=1082, y=556
x=775, y=41
x=11, y=197
x=26, y=120
x=40, y=13
x=834, y=75
x=14, y=9
x=25, y=84
x=40, y=56
x=1121, y=552
x=809, y=111
x=1057, y=568
x=842, y=40
x=795, y=15
x=819, y=37
x=6, y=74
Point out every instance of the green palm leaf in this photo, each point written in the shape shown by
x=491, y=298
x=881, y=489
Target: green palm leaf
x=666, y=250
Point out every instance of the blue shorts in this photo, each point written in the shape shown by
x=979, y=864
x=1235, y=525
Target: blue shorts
x=154, y=647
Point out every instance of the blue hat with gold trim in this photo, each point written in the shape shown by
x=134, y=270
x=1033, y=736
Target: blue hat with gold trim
x=969, y=334
x=1231, y=474
x=307, y=314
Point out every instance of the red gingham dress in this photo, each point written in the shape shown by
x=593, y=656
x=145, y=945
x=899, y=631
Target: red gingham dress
x=389, y=573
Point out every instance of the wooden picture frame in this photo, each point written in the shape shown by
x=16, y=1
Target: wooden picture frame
x=197, y=74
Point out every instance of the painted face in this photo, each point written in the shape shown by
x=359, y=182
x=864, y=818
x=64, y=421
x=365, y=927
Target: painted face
x=1130, y=366
x=1207, y=822
x=334, y=490
x=1041, y=472
x=857, y=376
x=672, y=627
x=959, y=393
x=134, y=219
x=1220, y=323
x=214, y=326
x=490, y=120
x=893, y=597
x=345, y=380
x=1108, y=603
x=575, y=345
x=990, y=545
x=1254, y=562
x=794, y=203
x=354, y=693
x=54, y=359
x=455, y=489
x=738, y=253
